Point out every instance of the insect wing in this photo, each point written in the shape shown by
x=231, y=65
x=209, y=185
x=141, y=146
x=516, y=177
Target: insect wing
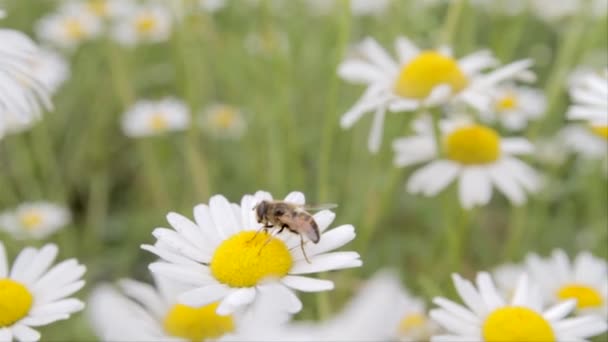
x=318, y=207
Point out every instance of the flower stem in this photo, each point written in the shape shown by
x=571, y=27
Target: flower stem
x=515, y=232
x=451, y=22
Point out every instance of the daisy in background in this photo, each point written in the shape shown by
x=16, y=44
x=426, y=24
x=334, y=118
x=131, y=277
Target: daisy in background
x=473, y=154
x=22, y=96
x=222, y=259
x=514, y=107
x=419, y=79
x=35, y=220
x=212, y=6
x=148, y=118
x=589, y=92
x=584, y=279
x=102, y=9
x=147, y=23
x=506, y=277
x=587, y=141
x=487, y=316
x=223, y=121
x=33, y=294
x=136, y=311
x=68, y=27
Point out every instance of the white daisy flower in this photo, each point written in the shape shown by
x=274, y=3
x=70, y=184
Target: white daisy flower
x=223, y=122
x=373, y=314
x=103, y=9
x=68, y=27
x=506, y=277
x=150, y=23
x=554, y=11
x=515, y=106
x=487, y=316
x=585, y=279
x=223, y=259
x=590, y=95
x=35, y=220
x=419, y=79
x=22, y=95
x=33, y=295
x=147, y=118
x=475, y=155
x=141, y=312
x=587, y=141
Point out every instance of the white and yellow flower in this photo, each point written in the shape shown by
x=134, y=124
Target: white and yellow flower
x=589, y=92
x=487, y=316
x=147, y=118
x=148, y=23
x=103, y=9
x=35, y=220
x=68, y=27
x=475, y=155
x=222, y=258
x=33, y=294
x=419, y=79
x=223, y=121
x=589, y=141
x=514, y=107
x=584, y=279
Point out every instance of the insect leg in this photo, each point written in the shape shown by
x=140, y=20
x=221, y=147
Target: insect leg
x=264, y=228
x=302, y=247
x=268, y=240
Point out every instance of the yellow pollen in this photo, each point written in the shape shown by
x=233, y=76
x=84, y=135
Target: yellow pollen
x=586, y=296
x=473, y=145
x=197, y=324
x=507, y=102
x=425, y=72
x=145, y=23
x=516, y=323
x=224, y=117
x=158, y=122
x=411, y=322
x=601, y=131
x=15, y=302
x=242, y=261
x=99, y=7
x=74, y=28
x=31, y=219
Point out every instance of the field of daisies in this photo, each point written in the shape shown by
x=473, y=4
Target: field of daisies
x=166, y=169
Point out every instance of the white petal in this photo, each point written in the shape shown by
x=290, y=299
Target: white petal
x=63, y=273
x=403, y=105
x=506, y=184
x=474, y=187
x=560, y=310
x=375, y=135
x=202, y=216
x=327, y=262
x=37, y=321
x=516, y=146
x=469, y=295
x=235, y=300
x=6, y=335
x=324, y=218
x=223, y=216
x=283, y=295
x=40, y=263
x=445, y=172
x=24, y=333
x=456, y=309
x=452, y=323
x=144, y=294
x=3, y=261
x=439, y=95
x=59, y=293
x=189, y=230
x=378, y=55
x=364, y=105
x=193, y=275
x=359, y=72
x=307, y=284
x=204, y=295
x=295, y=197
x=69, y=306
x=331, y=240
x=180, y=245
x=168, y=255
x=406, y=49
x=454, y=338
x=22, y=262
x=585, y=326
x=488, y=291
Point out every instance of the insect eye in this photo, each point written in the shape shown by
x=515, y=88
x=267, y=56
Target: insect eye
x=279, y=212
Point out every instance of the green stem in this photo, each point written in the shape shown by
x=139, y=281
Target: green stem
x=97, y=209
x=515, y=233
x=153, y=172
x=457, y=237
x=451, y=22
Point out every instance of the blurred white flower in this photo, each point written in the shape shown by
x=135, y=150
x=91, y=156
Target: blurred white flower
x=222, y=258
x=419, y=79
x=22, y=95
x=148, y=23
x=589, y=92
x=147, y=118
x=515, y=106
x=487, y=316
x=35, y=220
x=587, y=141
x=68, y=27
x=34, y=293
x=223, y=121
x=475, y=155
x=584, y=279
x=212, y=5
x=506, y=277
x=555, y=11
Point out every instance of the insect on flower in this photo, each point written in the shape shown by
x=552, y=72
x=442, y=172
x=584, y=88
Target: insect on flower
x=294, y=217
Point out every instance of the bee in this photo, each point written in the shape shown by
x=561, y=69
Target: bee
x=293, y=217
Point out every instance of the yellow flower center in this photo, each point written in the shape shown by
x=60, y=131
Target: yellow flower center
x=197, y=324
x=412, y=322
x=31, y=219
x=15, y=302
x=473, y=145
x=224, y=117
x=507, y=102
x=586, y=296
x=99, y=7
x=601, y=131
x=145, y=23
x=158, y=122
x=74, y=29
x=516, y=323
x=425, y=72
x=242, y=260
